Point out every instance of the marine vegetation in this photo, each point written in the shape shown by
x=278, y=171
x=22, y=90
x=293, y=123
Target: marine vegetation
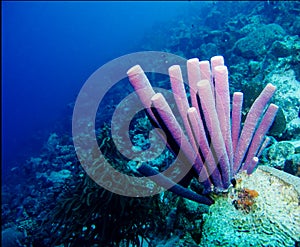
x=92, y=215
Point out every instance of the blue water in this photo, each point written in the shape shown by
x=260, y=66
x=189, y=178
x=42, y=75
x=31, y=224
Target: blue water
x=50, y=49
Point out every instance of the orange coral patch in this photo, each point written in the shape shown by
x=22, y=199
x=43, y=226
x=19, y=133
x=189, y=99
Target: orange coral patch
x=252, y=193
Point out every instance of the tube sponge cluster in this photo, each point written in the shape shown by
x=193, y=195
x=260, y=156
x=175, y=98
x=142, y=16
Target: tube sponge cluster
x=211, y=138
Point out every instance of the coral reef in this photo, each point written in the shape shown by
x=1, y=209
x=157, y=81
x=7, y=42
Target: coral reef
x=91, y=215
x=50, y=200
x=263, y=36
x=272, y=219
x=275, y=59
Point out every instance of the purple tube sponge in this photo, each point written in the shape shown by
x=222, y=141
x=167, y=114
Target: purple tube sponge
x=211, y=137
x=163, y=181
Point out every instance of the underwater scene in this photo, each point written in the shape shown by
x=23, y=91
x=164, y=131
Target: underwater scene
x=150, y=124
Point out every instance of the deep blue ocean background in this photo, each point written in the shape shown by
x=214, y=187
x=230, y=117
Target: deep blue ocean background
x=50, y=49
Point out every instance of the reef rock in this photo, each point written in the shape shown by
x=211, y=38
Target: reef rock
x=272, y=219
x=257, y=42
